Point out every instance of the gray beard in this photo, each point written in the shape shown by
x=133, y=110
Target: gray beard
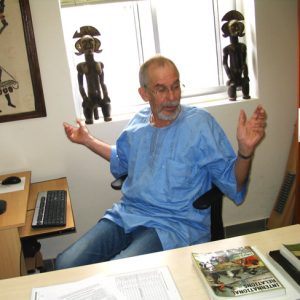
x=171, y=117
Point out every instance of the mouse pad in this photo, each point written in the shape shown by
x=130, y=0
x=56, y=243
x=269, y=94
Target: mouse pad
x=13, y=187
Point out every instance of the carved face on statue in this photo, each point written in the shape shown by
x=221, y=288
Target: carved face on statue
x=236, y=28
x=88, y=45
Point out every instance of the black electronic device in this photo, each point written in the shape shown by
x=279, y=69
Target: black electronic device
x=50, y=209
x=2, y=206
x=11, y=180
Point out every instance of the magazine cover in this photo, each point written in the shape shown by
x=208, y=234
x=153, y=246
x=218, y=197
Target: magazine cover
x=237, y=272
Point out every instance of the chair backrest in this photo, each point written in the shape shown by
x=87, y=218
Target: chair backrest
x=213, y=198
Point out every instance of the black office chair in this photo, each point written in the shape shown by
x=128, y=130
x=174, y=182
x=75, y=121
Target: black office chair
x=213, y=198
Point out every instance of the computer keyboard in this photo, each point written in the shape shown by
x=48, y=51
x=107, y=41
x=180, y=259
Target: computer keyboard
x=50, y=209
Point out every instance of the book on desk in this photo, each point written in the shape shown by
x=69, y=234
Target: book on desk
x=291, y=252
x=289, y=262
x=238, y=273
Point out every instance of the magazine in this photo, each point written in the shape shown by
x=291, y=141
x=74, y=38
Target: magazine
x=237, y=273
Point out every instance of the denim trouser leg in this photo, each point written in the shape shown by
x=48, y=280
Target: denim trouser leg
x=144, y=240
x=105, y=241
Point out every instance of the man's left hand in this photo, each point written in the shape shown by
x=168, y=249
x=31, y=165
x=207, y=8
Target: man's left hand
x=251, y=132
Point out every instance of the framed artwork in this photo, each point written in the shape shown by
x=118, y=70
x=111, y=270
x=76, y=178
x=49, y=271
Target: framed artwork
x=21, y=92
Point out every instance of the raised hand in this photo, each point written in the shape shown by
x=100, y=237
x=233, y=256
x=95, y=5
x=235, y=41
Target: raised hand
x=251, y=132
x=78, y=134
x=81, y=135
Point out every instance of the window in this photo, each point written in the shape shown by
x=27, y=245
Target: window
x=187, y=31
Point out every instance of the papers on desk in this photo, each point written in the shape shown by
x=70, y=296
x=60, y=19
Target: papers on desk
x=13, y=187
x=152, y=284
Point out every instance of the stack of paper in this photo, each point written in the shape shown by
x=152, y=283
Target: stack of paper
x=153, y=284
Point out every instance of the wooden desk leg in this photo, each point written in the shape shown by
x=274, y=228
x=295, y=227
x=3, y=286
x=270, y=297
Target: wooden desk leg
x=10, y=247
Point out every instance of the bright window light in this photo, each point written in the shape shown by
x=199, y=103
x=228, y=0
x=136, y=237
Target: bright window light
x=187, y=31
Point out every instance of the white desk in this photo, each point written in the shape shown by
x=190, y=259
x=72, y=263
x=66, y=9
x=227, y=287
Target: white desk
x=179, y=262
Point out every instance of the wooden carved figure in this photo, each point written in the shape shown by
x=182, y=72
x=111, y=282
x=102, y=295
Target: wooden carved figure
x=234, y=55
x=96, y=94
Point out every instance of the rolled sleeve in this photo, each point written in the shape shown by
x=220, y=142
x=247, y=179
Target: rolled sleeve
x=114, y=161
x=228, y=184
x=119, y=156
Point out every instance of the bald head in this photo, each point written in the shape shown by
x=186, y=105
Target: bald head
x=156, y=61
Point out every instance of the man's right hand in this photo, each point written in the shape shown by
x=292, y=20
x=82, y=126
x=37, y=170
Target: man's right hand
x=79, y=134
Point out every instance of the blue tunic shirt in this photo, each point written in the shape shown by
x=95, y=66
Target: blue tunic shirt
x=168, y=168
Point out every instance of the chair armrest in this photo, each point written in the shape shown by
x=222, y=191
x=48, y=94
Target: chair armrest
x=118, y=182
x=207, y=199
x=214, y=199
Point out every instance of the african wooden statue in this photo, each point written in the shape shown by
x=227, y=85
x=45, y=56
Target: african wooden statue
x=234, y=55
x=96, y=95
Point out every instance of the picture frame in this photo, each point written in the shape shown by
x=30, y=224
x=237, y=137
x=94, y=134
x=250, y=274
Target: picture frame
x=21, y=92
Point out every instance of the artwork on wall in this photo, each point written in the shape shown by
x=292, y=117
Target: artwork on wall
x=21, y=93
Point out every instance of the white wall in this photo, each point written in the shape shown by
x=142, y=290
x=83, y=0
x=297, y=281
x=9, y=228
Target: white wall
x=40, y=145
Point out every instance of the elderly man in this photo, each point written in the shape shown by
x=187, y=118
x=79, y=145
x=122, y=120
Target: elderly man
x=172, y=155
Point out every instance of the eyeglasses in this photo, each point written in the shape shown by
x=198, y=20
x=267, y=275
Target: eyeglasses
x=163, y=91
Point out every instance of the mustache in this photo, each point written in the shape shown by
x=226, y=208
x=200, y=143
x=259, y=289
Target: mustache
x=170, y=104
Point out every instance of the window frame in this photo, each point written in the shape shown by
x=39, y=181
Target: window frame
x=202, y=97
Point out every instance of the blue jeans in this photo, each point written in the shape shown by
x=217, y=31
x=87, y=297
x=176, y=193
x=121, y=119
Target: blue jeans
x=107, y=241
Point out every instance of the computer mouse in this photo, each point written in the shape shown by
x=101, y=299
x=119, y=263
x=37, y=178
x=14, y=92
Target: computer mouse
x=11, y=180
x=2, y=206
